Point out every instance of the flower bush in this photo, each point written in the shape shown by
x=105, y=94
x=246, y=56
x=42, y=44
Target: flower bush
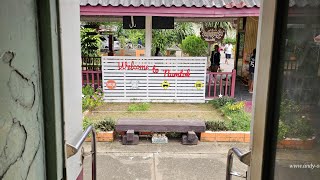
x=91, y=98
x=237, y=118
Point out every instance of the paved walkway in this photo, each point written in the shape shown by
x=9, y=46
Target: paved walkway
x=171, y=161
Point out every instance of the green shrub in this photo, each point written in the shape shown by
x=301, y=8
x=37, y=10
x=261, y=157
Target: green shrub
x=282, y=130
x=86, y=122
x=220, y=102
x=139, y=107
x=105, y=125
x=216, y=126
x=91, y=98
x=173, y=135
x=300, y=128
x=194, y=46
x=292, y=124
x=229, y=40
x=240, y=121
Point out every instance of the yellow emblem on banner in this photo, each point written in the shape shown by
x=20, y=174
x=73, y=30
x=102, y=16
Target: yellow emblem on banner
x=165, y=84
x=198, y=85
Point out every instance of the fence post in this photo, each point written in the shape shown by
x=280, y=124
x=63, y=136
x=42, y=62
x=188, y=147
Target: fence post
x=233, y=82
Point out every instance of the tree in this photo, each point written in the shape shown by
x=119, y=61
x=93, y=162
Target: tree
x=90, y=42
x=227, y=26
x=165, y=38
x=181, y=31
x=194, y=46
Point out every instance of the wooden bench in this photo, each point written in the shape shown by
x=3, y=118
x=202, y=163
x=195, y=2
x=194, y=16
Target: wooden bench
x=189, y=127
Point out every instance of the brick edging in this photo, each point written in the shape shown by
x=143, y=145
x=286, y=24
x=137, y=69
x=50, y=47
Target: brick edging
x=225, y=136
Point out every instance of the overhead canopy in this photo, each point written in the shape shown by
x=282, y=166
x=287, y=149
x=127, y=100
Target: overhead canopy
x=183, y=8
x=175, y=3
x=173, y=8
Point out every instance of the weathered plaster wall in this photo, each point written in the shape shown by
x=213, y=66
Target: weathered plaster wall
x=21, y=119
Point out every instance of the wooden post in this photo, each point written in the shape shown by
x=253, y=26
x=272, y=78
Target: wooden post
x=233, y=82
x=110, y=53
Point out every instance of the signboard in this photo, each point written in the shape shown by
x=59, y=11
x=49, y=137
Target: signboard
x=138, y=22
x=212, y=34
x=154, y=79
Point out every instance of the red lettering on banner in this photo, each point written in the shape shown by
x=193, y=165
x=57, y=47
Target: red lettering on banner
x=132, y=66
x=169, y=73
x=155, y=70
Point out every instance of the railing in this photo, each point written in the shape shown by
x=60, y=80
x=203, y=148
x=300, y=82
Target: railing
x=73, y=149
x=91, y=63
x=93, y=78
x=221, y=83
x=244, y=158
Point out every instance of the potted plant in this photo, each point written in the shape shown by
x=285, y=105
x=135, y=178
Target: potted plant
x=104, y=129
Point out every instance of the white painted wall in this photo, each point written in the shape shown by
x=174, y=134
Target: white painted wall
x=71, y=76
x=21, y=117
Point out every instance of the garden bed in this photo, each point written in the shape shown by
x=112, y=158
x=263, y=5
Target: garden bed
x=225, y=119
x=297, y=143
x=156, y=111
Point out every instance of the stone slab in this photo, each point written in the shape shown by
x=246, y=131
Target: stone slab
x=163, y=125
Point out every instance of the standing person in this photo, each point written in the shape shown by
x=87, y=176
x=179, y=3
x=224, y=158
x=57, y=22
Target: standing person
x=251, y=70
x=215, y=59
x=228, y=50
x=158, y=53
x=139, y=43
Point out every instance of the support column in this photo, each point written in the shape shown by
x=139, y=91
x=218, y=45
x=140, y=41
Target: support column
x=209, y=51
x=148, y=39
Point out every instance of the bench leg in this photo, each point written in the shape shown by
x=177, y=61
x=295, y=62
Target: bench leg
x=190, y=139
x=130, y=138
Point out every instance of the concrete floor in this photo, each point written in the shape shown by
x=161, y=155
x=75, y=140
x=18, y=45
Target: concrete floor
x=171, y=161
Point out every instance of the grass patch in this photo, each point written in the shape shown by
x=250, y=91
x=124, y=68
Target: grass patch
x=139, y=107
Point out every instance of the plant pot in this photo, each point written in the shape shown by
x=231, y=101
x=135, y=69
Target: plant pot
x=225, y=136
x=297, y=143
x=103, y=136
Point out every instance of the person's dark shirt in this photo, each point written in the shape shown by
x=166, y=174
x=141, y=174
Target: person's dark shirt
x=215, y=58
x=252, y=64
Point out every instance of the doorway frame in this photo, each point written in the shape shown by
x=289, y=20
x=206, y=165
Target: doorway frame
x=267, y=88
